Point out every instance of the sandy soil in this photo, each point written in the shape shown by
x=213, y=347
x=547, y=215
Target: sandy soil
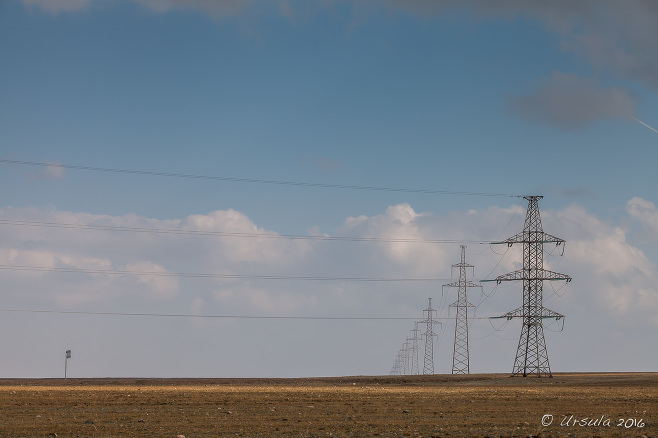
x=494, y=405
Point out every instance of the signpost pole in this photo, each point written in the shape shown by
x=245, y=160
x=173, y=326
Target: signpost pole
x=66, y=362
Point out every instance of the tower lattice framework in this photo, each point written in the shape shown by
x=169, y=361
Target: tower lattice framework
x=406, y=361
x=531, y=354
x=460, y=356
x=415, y=368
x=396, y=369
x=429, y=335
x=405, y=358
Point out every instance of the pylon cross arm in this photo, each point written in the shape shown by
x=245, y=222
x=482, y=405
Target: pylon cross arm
x=520, y=312
x=530, y=274
x=535, y=237
x=458, y=304
x=465, y=284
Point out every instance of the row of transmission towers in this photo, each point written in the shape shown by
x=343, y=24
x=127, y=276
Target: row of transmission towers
x=406, y=361
x=532, y=354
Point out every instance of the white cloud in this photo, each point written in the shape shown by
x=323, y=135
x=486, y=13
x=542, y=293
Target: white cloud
x=399, y=222
x=54, y=171
x=260, y=300
x=613, y=286
x=229, y=251
x=616, y=278
x=156, y=285
x=646, y=212
x=79, y=248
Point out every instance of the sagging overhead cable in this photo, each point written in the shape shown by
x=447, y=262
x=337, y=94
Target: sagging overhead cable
x=230, y=233
x=211, y=275
x=252, y=180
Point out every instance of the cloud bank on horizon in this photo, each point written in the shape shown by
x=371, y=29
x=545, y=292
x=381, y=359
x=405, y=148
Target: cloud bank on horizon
x=613, y=279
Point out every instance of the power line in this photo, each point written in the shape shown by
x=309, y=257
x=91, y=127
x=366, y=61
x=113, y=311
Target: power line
x=253, y=180
x=230, y=233
x=191, y=315
x=209, y=275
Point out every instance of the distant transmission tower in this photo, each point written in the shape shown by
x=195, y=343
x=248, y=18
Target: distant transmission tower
x=531, y=355
x=415, y=368
x=396, y=370
x=405, y=358
x=406, y=361
x=429, y=335
x=460, y=361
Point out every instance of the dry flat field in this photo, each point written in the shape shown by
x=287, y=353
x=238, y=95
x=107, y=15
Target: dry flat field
x=494, y=405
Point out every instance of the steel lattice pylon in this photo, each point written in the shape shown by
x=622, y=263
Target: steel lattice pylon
x=405, y=358
x=460, y=360
x=531, y=355
x=415, y=369
x=429, y=335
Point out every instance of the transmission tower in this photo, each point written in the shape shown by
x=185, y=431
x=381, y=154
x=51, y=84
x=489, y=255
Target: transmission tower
x=396, y=365
x=415, y=369
x=531, y=355
x=405, y=357
x=460, y=361
x=429, y=335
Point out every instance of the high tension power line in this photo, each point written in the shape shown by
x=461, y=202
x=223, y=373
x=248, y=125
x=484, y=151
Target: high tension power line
x=230, y=233
x=210, y=275
x=193, y=315
x=250, y=180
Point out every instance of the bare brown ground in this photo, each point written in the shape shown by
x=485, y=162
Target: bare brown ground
x=420, y=406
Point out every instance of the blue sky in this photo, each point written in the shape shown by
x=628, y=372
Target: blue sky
x=500, y=97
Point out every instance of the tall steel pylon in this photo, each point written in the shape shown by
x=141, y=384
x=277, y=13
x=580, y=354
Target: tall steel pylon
x=429, y=335
x=531, y=355
x=460, y=360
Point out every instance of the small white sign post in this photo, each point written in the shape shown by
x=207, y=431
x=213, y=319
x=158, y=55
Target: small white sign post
x=66, y=361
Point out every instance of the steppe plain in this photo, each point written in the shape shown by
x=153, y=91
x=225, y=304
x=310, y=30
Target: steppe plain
x=480, y=405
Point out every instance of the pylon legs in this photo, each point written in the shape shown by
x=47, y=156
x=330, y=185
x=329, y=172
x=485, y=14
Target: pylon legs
x=460, y=362
x=531, y=355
